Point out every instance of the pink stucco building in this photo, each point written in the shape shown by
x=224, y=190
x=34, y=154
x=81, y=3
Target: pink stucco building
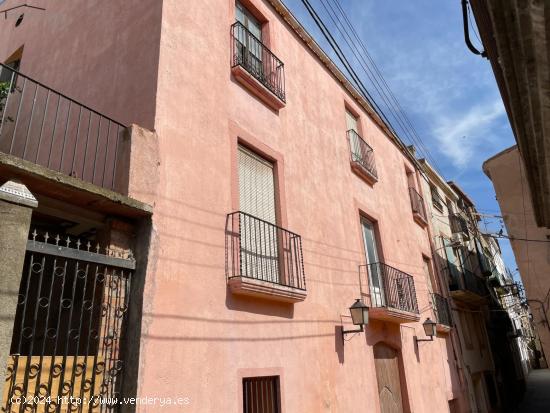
x=260, y=195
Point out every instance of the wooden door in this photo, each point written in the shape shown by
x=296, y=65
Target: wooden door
x=260, y=238
x=387, y=373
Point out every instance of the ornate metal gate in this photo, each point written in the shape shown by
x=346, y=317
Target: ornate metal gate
x=71, y=313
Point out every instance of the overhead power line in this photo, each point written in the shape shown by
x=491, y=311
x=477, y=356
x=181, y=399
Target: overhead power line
x=511, y=238
x=386, y=90
x=358, y=49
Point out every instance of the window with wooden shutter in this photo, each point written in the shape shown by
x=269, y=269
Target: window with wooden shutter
x=261, y=395
x=256, y=186
x=252, y=47
x=351, y=121
x=259, y=239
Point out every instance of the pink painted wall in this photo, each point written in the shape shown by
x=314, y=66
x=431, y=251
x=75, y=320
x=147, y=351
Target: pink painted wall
x=198, y=340
x=104, y=54
x=507, y=172
x=197, y=337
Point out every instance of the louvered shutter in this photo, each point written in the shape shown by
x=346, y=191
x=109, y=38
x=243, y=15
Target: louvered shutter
x=351, y=121
x=256, y=186
x=259, y=240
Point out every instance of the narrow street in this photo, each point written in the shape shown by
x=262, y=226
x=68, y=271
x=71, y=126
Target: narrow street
x=537, y=396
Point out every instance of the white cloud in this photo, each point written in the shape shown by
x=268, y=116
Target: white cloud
x=460, y=136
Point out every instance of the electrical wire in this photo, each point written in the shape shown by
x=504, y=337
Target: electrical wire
x=512, y=238
x=353, y=74
x=399, y=109
x=359, y=50
x=474, y=30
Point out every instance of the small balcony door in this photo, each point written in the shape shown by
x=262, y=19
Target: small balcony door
x=453, y=263
x=357, y=154
x=351, y=121
x=259, y=239
x=251, y=47
x=371, y=255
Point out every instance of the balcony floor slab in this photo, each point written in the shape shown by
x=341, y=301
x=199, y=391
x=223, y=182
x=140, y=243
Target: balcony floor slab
x=265, y=289
x=57, y=185
x=255, y=87
x=393, y=315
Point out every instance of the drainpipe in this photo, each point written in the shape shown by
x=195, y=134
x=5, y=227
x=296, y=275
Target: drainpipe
x=467, y=31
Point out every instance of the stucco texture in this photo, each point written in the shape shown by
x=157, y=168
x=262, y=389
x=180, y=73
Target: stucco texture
x=200, y=340
x=507, y=172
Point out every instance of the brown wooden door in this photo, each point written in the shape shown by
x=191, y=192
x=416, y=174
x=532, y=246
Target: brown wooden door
x=387, y=374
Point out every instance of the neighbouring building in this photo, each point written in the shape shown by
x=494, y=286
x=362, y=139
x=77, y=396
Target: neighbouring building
x=464, y=289
x=515, y=38
x=526, y=341
x=491, y=357
x=507, y=173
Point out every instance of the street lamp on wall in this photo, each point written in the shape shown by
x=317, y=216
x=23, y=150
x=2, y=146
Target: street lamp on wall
x=359, y=316
x=429, y=329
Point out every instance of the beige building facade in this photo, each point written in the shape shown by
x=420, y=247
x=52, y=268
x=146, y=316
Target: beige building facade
x=529, y=241
x=463, y=285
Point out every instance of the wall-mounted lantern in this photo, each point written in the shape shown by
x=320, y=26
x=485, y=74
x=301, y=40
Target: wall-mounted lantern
x=359, y=316
x=429, y=328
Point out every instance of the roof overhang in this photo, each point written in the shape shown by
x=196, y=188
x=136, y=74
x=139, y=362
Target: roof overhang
x=516, y=35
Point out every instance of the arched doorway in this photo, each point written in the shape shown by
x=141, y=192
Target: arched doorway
x=386, y=362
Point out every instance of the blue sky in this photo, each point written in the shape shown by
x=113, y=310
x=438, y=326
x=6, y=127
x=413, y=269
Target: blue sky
x=449, y=93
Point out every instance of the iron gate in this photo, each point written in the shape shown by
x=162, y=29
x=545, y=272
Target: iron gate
x=71, y=313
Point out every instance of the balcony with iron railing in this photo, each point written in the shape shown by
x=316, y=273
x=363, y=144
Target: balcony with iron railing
x=442, y=312
x=437, y=202
x=362, y=157
x=485, y=262
x=418, y=207
x=459, y=225
x=256, y=67
x=467, y=287
x=47, y=128
x=392, y=294
x=263, y=259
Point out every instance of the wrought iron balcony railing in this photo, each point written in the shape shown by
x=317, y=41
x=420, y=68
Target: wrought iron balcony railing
x=474, y=283
x=260, y=250
x=361, y=153
x=392, y=288
x=252, y=55
x=468, y=281
x=417, y=204
x=441, y=310
x=459, y=225
x=43, y=126
x=436, y=199
x=485, y=263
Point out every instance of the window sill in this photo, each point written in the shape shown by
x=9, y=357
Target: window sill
x=437, y=207
x=420, y=220
x=265, y=289
x=393, y=315
x=363, y=173
x=256, y=88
